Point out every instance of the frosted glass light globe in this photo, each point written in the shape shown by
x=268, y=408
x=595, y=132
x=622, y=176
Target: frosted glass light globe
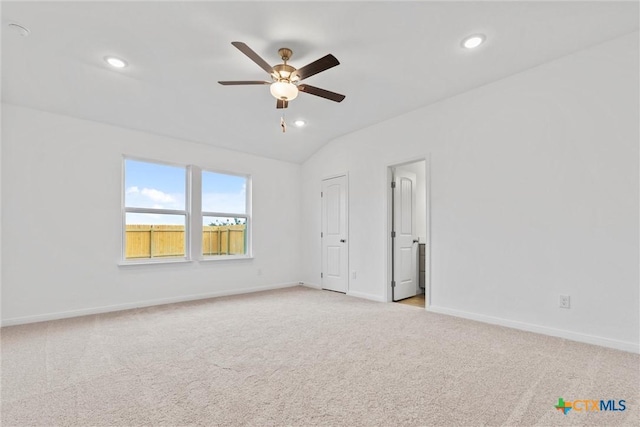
x=284, y=90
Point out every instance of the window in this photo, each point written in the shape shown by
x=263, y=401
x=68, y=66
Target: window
x=155, y=211
x=225, y=215
x=169, y=215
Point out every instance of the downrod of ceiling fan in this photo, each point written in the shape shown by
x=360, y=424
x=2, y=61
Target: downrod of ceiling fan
x=283, y=72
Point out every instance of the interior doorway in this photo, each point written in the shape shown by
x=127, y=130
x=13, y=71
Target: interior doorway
x=408, y=243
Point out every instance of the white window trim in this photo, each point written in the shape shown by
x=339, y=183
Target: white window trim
x=186, y=212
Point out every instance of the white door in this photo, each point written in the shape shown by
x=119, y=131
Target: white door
x=335, y=249
x=405, y=243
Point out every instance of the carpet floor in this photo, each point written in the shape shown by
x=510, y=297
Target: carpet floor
x=302, y=357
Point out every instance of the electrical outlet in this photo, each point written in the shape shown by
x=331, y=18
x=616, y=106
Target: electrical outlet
x=353, y=274
x=565, y=301
x=259, y=272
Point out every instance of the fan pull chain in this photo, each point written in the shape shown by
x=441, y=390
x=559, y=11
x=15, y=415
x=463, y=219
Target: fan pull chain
x=283, y=124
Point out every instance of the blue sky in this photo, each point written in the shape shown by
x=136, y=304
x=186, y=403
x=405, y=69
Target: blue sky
x=223, y=193
x=153, y=185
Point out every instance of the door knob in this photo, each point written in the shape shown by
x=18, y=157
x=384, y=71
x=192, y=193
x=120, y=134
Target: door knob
x=343, y=241
x=416, y=240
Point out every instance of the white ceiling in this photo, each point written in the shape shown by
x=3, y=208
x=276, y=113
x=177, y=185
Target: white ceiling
x=395, y=57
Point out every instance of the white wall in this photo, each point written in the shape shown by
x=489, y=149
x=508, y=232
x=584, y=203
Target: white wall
x=534, y=193
x=61, y=193
x=1, y=215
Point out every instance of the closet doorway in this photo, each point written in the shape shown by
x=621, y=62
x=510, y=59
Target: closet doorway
x=334, y=235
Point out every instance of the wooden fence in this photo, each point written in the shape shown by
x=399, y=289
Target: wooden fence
x=154, y=241
x=223, y=239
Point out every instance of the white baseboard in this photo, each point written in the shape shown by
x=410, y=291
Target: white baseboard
x=544, y=330
x=349, y=293
x=362, y=295
x=371, y=297
x=140, y=304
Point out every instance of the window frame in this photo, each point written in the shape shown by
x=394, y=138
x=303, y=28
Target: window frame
x=247, y=217
x=186, y=213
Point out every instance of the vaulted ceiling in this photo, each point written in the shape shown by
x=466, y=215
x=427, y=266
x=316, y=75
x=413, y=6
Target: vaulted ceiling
x=395, y=57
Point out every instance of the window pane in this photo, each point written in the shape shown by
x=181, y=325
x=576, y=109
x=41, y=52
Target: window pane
x=154, y=236
x=224, y=236
x=224, y=193
x=154, y=185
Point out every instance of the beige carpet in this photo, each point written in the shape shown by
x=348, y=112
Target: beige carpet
x=302, y=357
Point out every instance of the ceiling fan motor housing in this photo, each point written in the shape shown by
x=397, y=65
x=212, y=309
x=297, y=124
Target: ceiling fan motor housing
x=283, y=72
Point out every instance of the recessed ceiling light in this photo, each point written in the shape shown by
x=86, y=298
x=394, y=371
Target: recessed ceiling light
x=473, y=41
x=299, y=123
x=115, y=62
x=21, y=30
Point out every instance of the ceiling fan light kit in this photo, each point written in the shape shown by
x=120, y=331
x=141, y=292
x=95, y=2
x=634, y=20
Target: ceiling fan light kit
x=284, y=90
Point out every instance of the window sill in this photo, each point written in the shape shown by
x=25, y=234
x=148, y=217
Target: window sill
x=225, y=258
x=153, y=261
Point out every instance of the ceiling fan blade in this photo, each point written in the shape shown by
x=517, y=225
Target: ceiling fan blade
x=244, y=82
x=281, y=103
x=253, y=56
x=312, y=90
x=316, y=67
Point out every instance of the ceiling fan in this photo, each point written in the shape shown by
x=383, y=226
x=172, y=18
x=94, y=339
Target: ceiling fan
x=285, y=79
